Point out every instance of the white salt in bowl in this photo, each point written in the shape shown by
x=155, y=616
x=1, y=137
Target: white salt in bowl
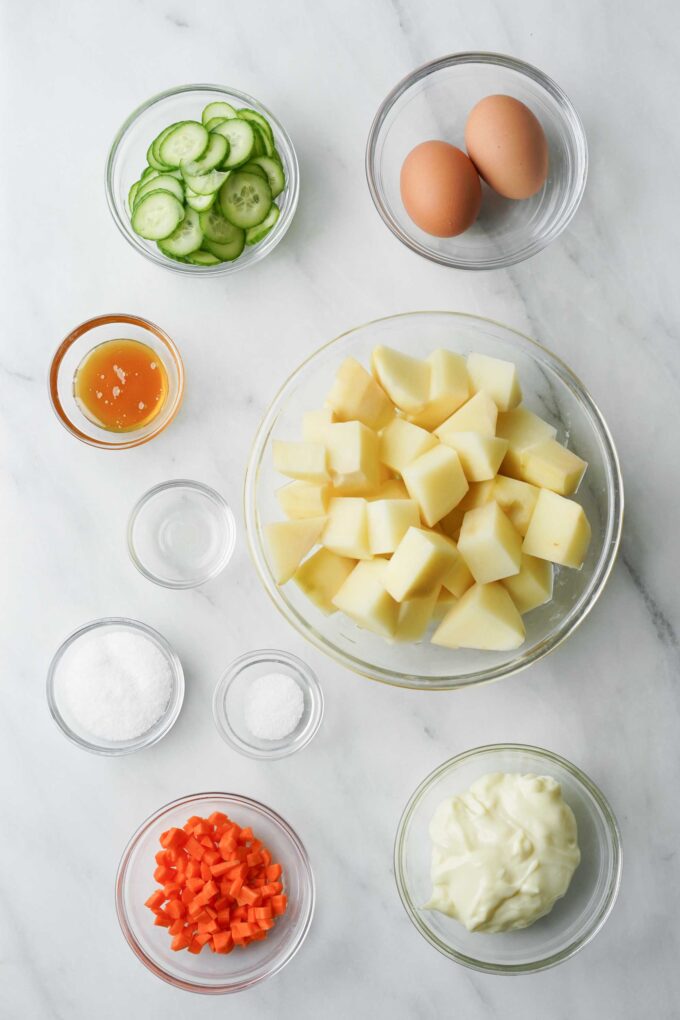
x=62, y=712
x=231, y=696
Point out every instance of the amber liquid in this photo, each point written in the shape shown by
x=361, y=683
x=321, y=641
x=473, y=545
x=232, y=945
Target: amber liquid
x=121, y=385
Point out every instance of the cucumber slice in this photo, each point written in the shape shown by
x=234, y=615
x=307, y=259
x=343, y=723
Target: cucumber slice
x=251, y=167
x=205, y=184
x=154, y=163
x=259, y=146
x=153, y=156
x=175, y=258
x=186, y=238
x=131, y=195
x=216, y=228
x=256, y=118
x=185, y=142
x=229, y=251
x=213, y=122
x=265, y=144
x=203, y=258
x=245, y=199
x=156, y=215
x=148, y=172
x=255, y=234
x=274, y=172
x=241, y=140
x=219, y=109
x=199, y=202
x=164, y=182
x=217, y=150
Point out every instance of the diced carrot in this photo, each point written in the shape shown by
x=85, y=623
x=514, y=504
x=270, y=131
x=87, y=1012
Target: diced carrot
x=218, y=818
x=190, y=823
x=271, y=889
x=253, y=859
x=239, y=913
x=248, y=896
x=176, y=927
x=195, y=946
x=175, y=909
x=162, y=920
x=186, y=896
x=171, y=889
x=279, y=904
x=173, y=838
x=195, y=884
x=211, y=857
x=206, y=841
x=245, y=835
x=266, y=923
x=219, y=869
x=206, y=873
x=161, y=857
x=263, y=913
x=195, y=848
x=258, y=936
x=193, y=869
x=223, y=917
x=208, y=927
x=204, y=937
x=222, y=941
x=273, y=872
x=155, y=900
x=235, y=887
x=180, y=941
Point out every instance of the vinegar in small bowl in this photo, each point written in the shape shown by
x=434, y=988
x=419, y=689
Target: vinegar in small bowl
x=121, y=385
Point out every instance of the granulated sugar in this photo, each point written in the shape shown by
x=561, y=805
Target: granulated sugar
x=273, y=706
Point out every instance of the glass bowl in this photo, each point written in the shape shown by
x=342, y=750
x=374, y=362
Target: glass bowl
x=181, y=534
x=229, y=703
x=573, y=921
x=552, y=390
x=127, y=159
x=210, y=973
x=434, y=102
x=70, y=727
x=79, y=343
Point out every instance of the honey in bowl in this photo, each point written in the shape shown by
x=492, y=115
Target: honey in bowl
x=121, y=385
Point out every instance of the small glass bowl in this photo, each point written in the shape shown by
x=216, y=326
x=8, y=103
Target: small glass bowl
x=127, y=159
x=207, y=972
x=573, y=921
x=434, y=102
x=69, y=726
x=229, y=702
x=79, y=343
x=181, y=534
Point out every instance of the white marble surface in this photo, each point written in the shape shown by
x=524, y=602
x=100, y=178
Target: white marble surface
x=605, y=297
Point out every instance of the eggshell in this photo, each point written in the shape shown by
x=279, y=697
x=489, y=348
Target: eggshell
x=508, y=146
x=440, y=189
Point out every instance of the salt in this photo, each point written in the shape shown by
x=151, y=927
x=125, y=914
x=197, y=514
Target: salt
x=273, y=706
x=114, y=686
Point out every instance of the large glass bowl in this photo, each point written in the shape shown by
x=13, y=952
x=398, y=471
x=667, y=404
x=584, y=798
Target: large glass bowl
x=550, y=389
x=434, y=102
x=127, y=159
x=573, y=921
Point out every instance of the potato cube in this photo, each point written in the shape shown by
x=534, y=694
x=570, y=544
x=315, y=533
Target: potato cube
x=405, y=380
x=551, y=466
x=558, y=531
x=445, y=601
x=480, y=455
x=401, y=442
x=478, y=414
x=353, y=459
x=489, y=544
x=289, y=542
x=496, y=377
x=533, y=585
x=346, y=531
x=363, y=598
x=388, y=522
x=315, y=423
x=393, y=488
x=516, y=499
x=449, y=388
x=485, y=617
x=478, y=494
x=415, y=616
x=356, y=396
x=321, y=576
x=436, y=481
x=458, y=578
x=522, y=429
x=304, y=461
x=420, y=563
x=304, y=499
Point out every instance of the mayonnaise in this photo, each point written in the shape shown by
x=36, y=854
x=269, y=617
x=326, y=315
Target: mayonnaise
x=503, y=852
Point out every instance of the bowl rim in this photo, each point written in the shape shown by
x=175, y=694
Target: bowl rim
x=259, y=251
x=615, y=868
x=108, y=318
x=190, y=800
x=512, y=64
x=221, y=716
x=166, y=721
x=419, y=681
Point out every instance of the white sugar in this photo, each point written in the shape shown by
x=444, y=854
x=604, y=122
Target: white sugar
x=273, y=706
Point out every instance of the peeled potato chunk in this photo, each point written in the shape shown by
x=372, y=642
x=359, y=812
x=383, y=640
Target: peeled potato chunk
x=289, y=542
x=449, y=388
x=478, y=414
x=458, y=578
x=480, y=455
x=388, y=522
x=485, y=617
x=363, y=598
x=321, y=576
x=489, y=544
x=496, y=377
x=304, y=461
x=304, y=499
x=559, y=530
x=522, y=429
x=401, y=442
x=353, y=460
x=393, y=488
x=533, y=586
x=346, y=531
x=356, y=396
x=415, y=616
x=437, y=482
x=315, y=423
x=404, y=379
x=516, y=499
x=478, y=494
x=551, y=466
x=420, y=563
x=445, y=601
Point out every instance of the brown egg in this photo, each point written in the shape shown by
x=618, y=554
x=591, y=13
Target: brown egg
x=508, y=146
x=440, y=189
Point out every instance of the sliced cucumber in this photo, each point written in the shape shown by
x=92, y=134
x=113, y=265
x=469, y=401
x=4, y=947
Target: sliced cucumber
x=251, y=167
x=199, y=202
x=149, y=172
x=175, y=258
x=274, y=172
x=202, y=258
x=153, y=156
x=256, y=118
x=186, y=141
x=187, y=237
x=245, y=199
x=164, y=182
x=217, y=150
x=241, y=140
x=218, y=109
x=255, y=234
x=264, y=143
x=216, y=228
x=131, y=195
x=206, y=184
x=230, y=250
x=154, y=163
x=156, y=215
x=212, y=124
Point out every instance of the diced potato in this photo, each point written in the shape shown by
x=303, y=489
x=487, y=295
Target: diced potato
x=304, y=499
x=449, y=388
x=321, y=576
x=533, y=585
x=558, y=531
x=289, y=542
x=393, y=488
x=401, y=442
x=458, y=578
x=388, y=522
x=445, y=601
x=420, y=563
x=356, y=396
x=437, y=482
x=516, y=499
x=496, y=377
x=551, y=466
x=480, y=455
x=522, y=429
x=415, y=616
x=346, y=531
x=485, y=617
x=363, y=598
x=478, y=494
x=304, y=461
x=353, y=458
x=315, y=423
x=405, y=380
x=478, y=414
x=489, y=544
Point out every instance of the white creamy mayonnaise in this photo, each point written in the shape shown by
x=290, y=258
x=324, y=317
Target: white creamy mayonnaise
x=503, y=852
